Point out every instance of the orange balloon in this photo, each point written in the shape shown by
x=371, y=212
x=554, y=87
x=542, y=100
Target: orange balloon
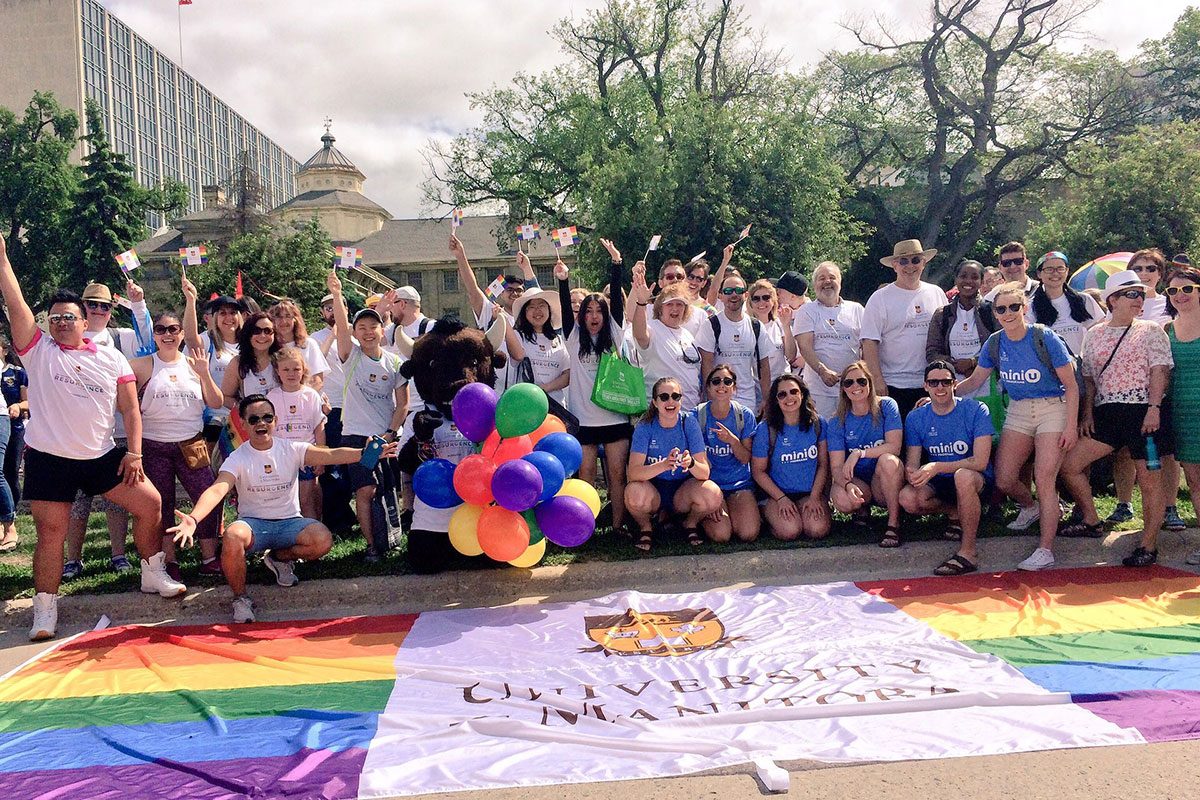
x=551, y=425
x=503, y=534
x=499, y=450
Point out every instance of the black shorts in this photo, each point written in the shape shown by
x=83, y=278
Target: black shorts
x=1119, y=425
x=604, y=434
x=359, y=475
x=906, y=399
x=55, y=479
x=947, y=493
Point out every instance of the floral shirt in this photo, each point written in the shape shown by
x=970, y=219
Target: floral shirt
x=1127, y=378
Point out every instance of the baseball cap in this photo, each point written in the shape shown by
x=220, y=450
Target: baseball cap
x=408, y=293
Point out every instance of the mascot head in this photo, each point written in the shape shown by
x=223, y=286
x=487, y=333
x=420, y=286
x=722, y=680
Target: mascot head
x=449, y=356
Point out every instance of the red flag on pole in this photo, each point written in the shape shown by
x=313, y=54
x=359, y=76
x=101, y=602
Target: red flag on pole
x=238, y=291
x=185, y=2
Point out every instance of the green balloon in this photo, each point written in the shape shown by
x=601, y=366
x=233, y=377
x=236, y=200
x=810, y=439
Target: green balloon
x=535, y=533
x=521, y=410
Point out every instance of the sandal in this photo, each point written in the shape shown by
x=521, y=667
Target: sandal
x=1079, y=529
x=1140, y=557
x=953, y=532
x=860, y=523
x=955, y=565
x=693, y=537
x=9, y=542
x=644, y=542
x=891, y=537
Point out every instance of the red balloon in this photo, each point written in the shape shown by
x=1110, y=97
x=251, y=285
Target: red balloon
x=500, y=450
x=473, y=480
x=552, y=424
x=503, y=534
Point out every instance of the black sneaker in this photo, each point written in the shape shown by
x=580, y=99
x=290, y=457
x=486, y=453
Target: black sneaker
x=406, y=517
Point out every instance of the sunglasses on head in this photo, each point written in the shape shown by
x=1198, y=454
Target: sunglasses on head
x=760, y=298
x=665, y=396
x=165, y=329
x=731, y=290
x=720, y=381
x=67, y=318
x=1012, y=262
x=848, y=382
x=939, y=381
x=1189, y=289
x=97, y=305
x=1009, y=309
x=1145, y=268
x=254, y=419
x=904, y=261
x=785, y=393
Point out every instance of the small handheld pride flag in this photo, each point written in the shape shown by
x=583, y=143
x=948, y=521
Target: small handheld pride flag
x=744, y=234
x=495, y=289
x=194, y=256
x=347, y=257
x=654, y=240
x=128, y=261
x=456, y=218
x=529, y=232
x=565, y=237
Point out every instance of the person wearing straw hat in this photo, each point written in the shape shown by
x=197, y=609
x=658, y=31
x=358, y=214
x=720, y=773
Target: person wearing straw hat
x=536, y=335
x=895, y=324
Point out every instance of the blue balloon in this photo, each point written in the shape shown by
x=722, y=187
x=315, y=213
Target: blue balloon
x=552, y=471
x=565, y=448
x=433, y=483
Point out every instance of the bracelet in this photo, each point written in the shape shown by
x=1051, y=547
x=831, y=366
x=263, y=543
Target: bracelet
x=193, y=519
x=642, y=304
x=131, y=453
x=1154, y=405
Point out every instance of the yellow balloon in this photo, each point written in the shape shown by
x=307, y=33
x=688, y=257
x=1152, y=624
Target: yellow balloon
x=532, y=555
x=573, y=487
x=462, y=529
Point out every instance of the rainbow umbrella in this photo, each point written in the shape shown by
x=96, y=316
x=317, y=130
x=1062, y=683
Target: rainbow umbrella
x=1095, y=273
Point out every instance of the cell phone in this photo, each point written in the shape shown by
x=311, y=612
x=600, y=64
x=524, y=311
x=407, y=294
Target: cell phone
x=372, y=452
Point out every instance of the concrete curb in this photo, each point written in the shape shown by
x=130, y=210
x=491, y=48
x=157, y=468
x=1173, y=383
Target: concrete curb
x=414, y=593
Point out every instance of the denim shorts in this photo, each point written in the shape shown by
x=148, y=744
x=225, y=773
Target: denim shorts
x=275, y=534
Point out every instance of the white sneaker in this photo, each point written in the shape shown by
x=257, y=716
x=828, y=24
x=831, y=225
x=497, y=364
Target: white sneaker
x=1025, y=518
x=243, y=609
x=284, y=573
x=45, y=616
x=1040, y=558
x=155, y=579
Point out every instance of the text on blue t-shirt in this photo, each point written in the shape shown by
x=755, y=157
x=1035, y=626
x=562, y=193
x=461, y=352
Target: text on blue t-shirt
x=657, y=442
x=1022, y=373
x=857, y=432
x=794, y=463
x=948, y=437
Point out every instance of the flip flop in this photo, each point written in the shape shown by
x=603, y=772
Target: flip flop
x=1080, y=530
x=644, y=542
x=955, y=565
x=891, y=537
x=953, y=532
x=693, y=537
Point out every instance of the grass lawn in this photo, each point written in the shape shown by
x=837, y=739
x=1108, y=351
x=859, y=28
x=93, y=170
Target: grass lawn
x=346, y=558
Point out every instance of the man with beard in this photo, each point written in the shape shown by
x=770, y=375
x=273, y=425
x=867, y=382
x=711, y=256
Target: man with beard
x=829, y=336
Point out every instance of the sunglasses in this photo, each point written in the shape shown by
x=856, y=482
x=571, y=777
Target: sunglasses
x=1131, y=294
x=161, y=330
x=67, y=319
x=1009, y=309
x=96, y=305
x=905, y=261
x=673, y=277
x=731, y=290
x=939, y=381
x=254, y=419
x=721, y=381
x=760, y=298
x=1189, y=289
x=785, y=393
x=261, y=331
x=665, y=396
x=1145, y=268
x=848, y=382
x=1012, y=262
x=698, y=278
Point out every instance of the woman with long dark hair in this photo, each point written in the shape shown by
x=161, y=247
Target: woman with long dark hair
x=728, y=428
x=790, y=462
x=223, y=318
x=250, y=371
x=597, y=329
x=535, y=334
x=15, y=384
x=1059, y=307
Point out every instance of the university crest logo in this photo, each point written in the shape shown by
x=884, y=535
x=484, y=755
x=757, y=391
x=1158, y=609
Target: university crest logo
x=291, y=409
x=917, y=309
x=173, y=378
x=657, y=633
x=371, y=377
x=267, y=468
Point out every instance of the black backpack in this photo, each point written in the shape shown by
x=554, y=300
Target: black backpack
x=755, y=326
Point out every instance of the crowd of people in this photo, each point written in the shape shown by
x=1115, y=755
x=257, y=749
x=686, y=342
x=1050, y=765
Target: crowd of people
x=766, y=410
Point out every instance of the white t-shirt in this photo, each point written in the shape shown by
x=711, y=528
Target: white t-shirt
x=583, y=380
x=963, y=341
x=266, y=479
x=899, y=320
x=1155, y=309
x=696, y=321
x=370, y=399
x=172, y=402
x=313, y=357
x=737, y=349
x=1071, y=331
x=297, y=414
x=507, y=376
x=837, y=340
x=218, y=362
x=549, y=359
x=72, y=396
x=451, y=445
x=334, y=377
x=259, y=382
x=672, y=353
x=771, y=348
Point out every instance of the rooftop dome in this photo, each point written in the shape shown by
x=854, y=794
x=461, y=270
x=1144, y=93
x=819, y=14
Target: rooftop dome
x=329, y=158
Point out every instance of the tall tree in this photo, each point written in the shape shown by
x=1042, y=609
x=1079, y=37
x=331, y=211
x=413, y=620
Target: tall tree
x=37, y=182
x=667, y=117
x=110, y=208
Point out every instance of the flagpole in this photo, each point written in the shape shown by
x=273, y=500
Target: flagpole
x=179, y=14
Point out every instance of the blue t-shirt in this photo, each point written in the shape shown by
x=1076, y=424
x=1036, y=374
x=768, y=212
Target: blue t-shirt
x=794, y=463
x=727, y=472
x=1022, y=373
x=948, y=437
x=656, y=442
x=864, y=431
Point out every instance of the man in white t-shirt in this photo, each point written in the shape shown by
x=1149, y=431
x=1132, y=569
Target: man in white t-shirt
x=1014, y=267
x=335, y=483
x=75, y=391
x=410, y=322
x=895, y=324
x=829, y=337
x=736, y=345
x=265, y=471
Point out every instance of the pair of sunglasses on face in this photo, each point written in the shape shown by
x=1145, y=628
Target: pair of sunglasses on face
x=254, y=419
x=939, y=381
x=96, y=305
x=665, y=396
x=729, y=291
x=1191, y=288
x=261, y=331
x=68, y=318
x=1009, y=309
x=1012, y=262
x=783, y=394
x=1131, y=294
x=719, y=381
x=163, y=330
x=848, y=382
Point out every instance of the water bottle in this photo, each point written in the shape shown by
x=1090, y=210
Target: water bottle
x=1152, y=461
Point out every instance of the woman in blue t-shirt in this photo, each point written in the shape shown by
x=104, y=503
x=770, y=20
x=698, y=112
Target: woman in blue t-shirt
x=668, y=468
x=1042, y=418
x=865, y=440
x=728, y=428
x=790, y=462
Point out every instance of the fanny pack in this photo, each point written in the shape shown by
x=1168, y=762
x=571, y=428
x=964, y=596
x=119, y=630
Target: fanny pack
x=195, y=452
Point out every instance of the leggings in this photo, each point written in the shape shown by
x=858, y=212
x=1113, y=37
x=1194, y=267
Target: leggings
x=163, y=462
x=12, y=460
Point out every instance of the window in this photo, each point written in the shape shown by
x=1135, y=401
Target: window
x=449, y=281
x=545, y=275
x=414, y=280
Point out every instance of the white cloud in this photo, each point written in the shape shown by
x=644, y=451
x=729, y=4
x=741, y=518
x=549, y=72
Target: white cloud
x=393, y=75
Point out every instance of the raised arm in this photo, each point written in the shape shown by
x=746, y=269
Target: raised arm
x=466, y=277
x=714, y=286
x=617, y=309
x=341, y=324
x=531, y=281
x=210, y=499
x=640, y=295
x=563, y=276
x=20, y=315
x=191, y=325
x=198, y=361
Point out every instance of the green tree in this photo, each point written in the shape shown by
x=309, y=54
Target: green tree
x=110, y=207
x=1143, y=190
x=1171, y=66
x=37, y=182
x=667, y=117
x=274, y=262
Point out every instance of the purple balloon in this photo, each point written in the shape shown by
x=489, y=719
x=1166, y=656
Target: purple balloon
x=566, y=521
x=517, y=485
x=474, y=410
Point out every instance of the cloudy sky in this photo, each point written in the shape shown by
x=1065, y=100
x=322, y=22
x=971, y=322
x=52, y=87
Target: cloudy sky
x=394, y=75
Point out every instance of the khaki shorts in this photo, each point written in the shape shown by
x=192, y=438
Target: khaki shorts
x=1037, y=415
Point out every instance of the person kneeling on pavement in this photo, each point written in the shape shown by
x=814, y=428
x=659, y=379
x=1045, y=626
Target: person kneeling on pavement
x=265, y=471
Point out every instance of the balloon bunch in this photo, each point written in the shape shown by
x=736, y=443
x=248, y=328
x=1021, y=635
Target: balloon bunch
x=513, y=493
